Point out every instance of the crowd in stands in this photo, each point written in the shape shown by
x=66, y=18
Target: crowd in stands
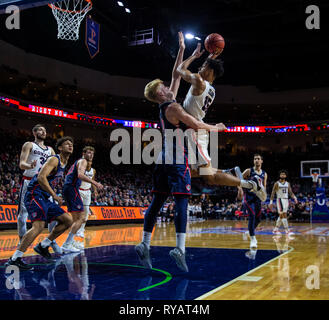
x=131, y=185
x=70, y=96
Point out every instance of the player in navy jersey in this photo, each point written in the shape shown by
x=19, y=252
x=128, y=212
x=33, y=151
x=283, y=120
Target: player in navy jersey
x=171, y=175
x=252, y=203
x=41, y=208
x=73, y=179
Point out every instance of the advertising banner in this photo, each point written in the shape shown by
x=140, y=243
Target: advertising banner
x=8, y=213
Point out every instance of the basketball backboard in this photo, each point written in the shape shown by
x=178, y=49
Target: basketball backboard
x=23, y=4
x=314, y=166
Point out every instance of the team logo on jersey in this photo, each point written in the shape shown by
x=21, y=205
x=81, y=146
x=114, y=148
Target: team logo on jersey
x=188, y=187
x=34, y=214
x=79, y=207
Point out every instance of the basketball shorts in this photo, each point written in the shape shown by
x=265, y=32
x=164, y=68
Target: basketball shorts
x=39, y=207
x=282, y=205
x=201, y=141
x=21, y=204
x=172, y=179
x=85, y=196
x=73, y=199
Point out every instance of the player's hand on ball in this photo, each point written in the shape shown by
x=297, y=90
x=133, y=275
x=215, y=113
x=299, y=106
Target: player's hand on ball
x=221, y=126
x=216, y=54
x=59, y=200
x=197, y=53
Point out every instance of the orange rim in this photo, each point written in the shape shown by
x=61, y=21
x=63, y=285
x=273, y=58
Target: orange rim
x=72, y=11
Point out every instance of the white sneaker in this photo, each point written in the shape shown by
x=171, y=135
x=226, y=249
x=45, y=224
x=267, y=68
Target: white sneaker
x=253, y=243
x=259, y=188
x=251, y=254
x=80, y=234
x=69, y=248
x=79, y=245
x=57, y=249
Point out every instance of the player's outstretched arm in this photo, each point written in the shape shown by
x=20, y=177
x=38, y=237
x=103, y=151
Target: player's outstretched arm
x=175, y=112
x=175, y=79
x=193, y=78
x=82, y=166
x=23, y=164
x=44, y=172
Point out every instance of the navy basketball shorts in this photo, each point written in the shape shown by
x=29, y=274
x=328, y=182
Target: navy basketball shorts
x=172, y=179
x=40, y=208
x=73, y=199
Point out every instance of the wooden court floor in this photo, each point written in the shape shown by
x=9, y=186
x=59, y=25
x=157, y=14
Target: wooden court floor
x=301, y=271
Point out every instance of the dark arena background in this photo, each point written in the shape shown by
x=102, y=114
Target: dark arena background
x=273, y=99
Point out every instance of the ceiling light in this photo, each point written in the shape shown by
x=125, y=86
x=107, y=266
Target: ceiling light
x=120, y=3
x=189, y=36
x=127, y=10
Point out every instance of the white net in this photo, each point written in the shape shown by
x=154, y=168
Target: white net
x=315, y=177
x=69, y=14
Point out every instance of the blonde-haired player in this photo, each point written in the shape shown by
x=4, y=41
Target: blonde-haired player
x=282, y=190
x=85, y=193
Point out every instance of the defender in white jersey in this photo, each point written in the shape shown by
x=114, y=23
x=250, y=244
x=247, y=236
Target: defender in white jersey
x=85, y=192
x=282, y=190
x=33, y=156
x=197, y=102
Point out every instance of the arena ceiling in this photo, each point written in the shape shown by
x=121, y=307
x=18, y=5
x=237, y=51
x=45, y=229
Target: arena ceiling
x=267, y=43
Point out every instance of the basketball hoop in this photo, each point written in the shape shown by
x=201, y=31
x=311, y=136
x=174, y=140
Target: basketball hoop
x=69, y=14
x=315, y=177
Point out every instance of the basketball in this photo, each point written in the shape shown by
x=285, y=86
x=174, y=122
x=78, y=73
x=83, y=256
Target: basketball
x=213, y=42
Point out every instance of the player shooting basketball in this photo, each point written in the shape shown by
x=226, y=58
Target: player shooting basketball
x=197, y=102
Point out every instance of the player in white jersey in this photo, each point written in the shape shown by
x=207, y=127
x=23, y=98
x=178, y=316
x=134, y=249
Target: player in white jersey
x=85, y=192
x=282, y=190
x=197, y=102
x=33, y=156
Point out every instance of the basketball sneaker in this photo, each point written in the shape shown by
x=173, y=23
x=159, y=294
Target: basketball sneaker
x=80, y=234
x=69, y=248
x=251, y=254
x=143, y=253
x=245, y=235
x=253, y=243
x=236, y=171
x=42, y=251
x=178, y=255
x=79, y=245
x=19, y=263
x=259, y=188
x=57, y=249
